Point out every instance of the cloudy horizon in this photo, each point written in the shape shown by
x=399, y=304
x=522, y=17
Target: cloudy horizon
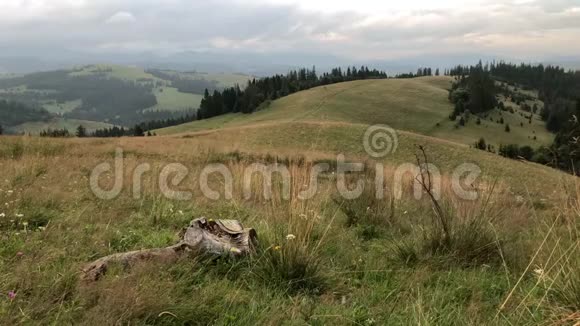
x=363, y=30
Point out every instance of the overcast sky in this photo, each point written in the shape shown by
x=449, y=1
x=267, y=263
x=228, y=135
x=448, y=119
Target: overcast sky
x=354, y=29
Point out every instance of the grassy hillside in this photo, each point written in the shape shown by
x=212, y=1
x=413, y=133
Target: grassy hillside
x=170, y=99
x=418, y=105
x=93, y=92
x=223, y=80
x=510, y=259
x=54, y=106
x=35, y=128
x=506, y=257
x=115, y=71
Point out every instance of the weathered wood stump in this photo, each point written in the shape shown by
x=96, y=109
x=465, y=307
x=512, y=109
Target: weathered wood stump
x=202, y=236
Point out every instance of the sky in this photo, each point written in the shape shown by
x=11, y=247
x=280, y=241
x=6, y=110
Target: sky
x=353, y=30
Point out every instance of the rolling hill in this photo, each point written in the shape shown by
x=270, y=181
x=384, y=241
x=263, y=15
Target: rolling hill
x=418, y=105
x=110, y=94
x=323, y=260
x=34, y=128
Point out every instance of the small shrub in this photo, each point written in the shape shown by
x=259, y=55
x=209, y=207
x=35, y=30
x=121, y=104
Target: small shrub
x=405, y=251
x=292, y=266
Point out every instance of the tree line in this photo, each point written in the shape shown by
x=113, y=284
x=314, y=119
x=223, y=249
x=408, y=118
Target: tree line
x=14, y=113
x=144, y=128
x=259, y=92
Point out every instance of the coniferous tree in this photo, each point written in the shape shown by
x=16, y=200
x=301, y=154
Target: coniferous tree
x=81, y=131
x=138, y=131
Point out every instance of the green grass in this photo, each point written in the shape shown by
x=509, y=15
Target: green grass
x=417, y=105
x=53, y=106
x=361, y=262
x=333, y=139
x=170, y=99
x=223, y=79
x=116, y=71
x=35, y=128
x=333, y=272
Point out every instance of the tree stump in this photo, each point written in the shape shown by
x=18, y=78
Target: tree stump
x=202, y=236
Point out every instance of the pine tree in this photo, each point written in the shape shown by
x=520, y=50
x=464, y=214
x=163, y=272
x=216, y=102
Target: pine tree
x=481, y=144
x=507, y=128
x=138, y=131
x=81, y=131
x=1, y=130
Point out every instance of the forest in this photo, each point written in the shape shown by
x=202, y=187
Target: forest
x=103, y=99
x=14, y=113
x=476, y=90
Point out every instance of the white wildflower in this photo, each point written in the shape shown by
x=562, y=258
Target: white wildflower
x=290, y=237
x=19, y=215
x=25, y=223
x=2, y=215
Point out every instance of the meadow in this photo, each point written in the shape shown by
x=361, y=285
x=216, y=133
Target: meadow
x=508, y=258
x=418, y=105
x=35, y=128
x=168, y=98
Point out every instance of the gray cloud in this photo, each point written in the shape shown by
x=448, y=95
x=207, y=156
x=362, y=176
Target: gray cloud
x=502, y=27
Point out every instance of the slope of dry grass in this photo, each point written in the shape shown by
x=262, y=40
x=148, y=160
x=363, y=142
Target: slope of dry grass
x=418, y=105
x=379, y=269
